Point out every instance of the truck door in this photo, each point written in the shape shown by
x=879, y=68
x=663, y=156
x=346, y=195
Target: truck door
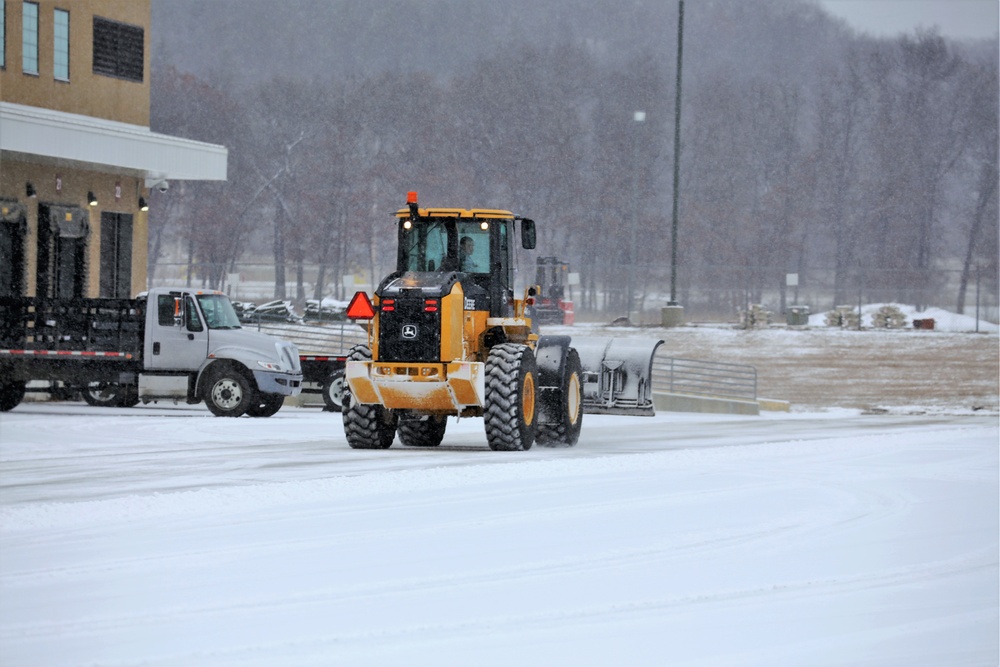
x=176, y=335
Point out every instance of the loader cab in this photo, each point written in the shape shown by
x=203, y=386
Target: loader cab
x=473, y=246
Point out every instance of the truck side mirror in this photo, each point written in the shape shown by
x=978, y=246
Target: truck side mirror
x=527, y=234
x=178, y=312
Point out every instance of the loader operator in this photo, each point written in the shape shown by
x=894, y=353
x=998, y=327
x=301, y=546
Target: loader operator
x=469, y=262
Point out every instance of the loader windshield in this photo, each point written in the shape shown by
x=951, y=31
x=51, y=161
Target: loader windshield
x=445, y=244
x=424, y=247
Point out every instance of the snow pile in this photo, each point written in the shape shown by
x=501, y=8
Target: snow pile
x=943, y=320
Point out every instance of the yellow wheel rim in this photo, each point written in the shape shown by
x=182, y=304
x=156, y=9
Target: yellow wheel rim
x=528, y=398
x=573, y=399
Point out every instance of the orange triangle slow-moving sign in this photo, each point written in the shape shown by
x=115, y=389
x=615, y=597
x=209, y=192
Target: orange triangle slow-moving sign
x=360, y=308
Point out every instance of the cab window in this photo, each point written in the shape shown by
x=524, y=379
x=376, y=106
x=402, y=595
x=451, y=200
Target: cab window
x=473, y=247
x=165, y=310
x=193, y=320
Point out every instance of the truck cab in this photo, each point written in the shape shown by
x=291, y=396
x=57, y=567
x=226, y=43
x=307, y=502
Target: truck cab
x=196, y=348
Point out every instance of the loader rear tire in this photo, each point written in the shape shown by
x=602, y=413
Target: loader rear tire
x=510, y=397
x=422, y=431
x=566, y=431
x=367, y=426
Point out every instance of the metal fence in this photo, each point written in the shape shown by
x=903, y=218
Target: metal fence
x=696, y=377
x=331, y=339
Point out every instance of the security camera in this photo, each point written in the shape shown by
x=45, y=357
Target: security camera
x=163, y=186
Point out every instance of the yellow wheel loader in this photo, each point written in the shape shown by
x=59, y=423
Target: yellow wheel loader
x=446, y=336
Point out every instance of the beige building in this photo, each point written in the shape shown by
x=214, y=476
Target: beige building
x=77, y=158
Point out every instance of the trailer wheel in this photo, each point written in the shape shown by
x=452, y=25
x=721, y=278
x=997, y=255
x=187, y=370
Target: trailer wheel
x=333, y=392
x=422, y=431
x=228, y=393
x=566, y=431
x=510, y=397
x=266, y=405
x=366, y=426
x=11, y=394
x=103, y=394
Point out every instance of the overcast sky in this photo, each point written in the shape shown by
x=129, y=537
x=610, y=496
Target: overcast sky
x=958, y=19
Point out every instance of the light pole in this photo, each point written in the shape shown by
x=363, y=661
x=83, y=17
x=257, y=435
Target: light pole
x=637, y=117
x=677, y=155
x=672, y=314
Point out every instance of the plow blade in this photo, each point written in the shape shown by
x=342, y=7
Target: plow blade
x=617, y=375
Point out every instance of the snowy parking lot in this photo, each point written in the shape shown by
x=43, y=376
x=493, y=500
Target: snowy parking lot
x=162, y=536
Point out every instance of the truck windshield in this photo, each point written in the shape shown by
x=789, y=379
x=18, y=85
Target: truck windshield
x=218, y=311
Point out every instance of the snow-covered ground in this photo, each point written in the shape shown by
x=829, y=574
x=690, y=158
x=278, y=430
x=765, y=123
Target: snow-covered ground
x=161, y=536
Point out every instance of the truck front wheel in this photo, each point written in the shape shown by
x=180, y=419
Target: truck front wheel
x=228, y=393
x=11, y=394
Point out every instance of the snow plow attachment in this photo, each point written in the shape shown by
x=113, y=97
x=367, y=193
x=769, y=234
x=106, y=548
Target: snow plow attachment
x=617, y=375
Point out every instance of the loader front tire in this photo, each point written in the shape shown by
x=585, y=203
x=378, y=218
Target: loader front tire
x=367, y=426
x=509, y=412
x=565, y=432
x=422, y=431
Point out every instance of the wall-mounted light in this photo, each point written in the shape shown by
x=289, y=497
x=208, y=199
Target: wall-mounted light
x=91, y=199
x=143, y=204
x=29, y=190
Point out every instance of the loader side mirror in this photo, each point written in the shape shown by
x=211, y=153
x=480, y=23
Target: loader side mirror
x=527, y=234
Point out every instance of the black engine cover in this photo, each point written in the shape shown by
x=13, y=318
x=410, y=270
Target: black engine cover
x=410, y=315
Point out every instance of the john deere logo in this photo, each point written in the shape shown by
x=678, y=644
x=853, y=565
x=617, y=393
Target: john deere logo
x=409, y=331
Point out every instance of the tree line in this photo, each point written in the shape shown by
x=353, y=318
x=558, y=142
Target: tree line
x=806, y=148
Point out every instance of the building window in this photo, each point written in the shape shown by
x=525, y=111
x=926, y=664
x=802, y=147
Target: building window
x=118, y=49
x=60, y=55
x=29, y=38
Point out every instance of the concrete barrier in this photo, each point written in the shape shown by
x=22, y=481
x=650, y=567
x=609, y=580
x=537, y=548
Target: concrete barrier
x=774, y=405
x=703, y=404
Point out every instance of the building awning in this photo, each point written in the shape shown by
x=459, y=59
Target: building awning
x=95, y=143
